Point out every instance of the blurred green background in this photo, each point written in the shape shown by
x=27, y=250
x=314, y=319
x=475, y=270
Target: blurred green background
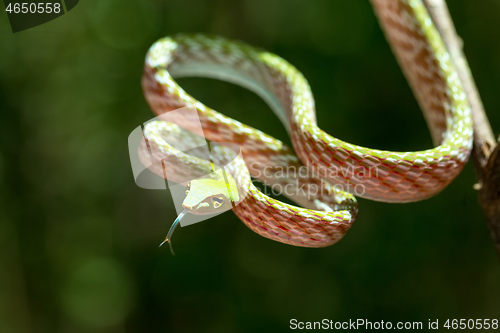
x=79, y=240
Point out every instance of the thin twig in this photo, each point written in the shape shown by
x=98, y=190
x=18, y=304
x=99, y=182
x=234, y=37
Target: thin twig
x=485, y=151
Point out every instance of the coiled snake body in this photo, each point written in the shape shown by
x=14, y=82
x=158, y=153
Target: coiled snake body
x=329, y=213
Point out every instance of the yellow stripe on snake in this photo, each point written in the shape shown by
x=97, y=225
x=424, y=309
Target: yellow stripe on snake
x=335, y=167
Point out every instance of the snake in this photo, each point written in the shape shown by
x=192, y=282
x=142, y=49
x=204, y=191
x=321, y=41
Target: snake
x=335, y=171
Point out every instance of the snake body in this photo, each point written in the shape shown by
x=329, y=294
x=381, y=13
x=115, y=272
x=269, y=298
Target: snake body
x=336, y=167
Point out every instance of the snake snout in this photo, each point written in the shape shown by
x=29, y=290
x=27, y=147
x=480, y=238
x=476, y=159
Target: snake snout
x=196, y=207
x=187, y=207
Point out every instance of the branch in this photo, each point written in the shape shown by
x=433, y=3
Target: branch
x=485, y=150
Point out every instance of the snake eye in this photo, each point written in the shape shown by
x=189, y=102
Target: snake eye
x=188, y=188
x=217, y=201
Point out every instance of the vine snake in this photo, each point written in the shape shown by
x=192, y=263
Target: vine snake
x=336, y=167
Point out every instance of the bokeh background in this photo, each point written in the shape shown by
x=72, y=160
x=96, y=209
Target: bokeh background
x=79, y=240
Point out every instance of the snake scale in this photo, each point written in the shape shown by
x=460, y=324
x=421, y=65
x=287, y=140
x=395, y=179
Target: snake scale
x=336, y=167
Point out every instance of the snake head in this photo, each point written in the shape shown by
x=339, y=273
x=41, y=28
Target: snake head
x=207, y=196
x=210, y=196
